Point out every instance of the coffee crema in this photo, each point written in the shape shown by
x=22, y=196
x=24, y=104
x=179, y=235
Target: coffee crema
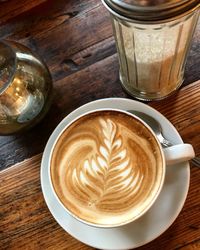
x=106, y=168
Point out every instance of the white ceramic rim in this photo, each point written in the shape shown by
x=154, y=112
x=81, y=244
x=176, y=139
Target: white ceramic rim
x=79, y=230
x=153, y=198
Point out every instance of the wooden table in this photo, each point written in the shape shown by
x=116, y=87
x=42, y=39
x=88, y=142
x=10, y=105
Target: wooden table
x=75, y=39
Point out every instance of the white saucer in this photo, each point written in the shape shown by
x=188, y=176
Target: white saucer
x=161, y=215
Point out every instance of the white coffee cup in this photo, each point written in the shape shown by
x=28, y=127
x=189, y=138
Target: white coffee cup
x=107, y=167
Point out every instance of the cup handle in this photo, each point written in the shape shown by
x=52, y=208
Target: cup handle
x=178, y=153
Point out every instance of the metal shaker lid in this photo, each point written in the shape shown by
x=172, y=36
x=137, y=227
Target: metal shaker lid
x=151, y=10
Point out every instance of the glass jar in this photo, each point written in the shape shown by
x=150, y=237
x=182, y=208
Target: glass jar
x=152, y=39
x=25, y=88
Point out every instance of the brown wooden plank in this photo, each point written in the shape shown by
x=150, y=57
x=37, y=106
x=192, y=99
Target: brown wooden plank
x=12, y=8
x=193, y=246
x=182, y=109
x=75, y=39
x=26, y=223
x=66, y=27
x=71, y=34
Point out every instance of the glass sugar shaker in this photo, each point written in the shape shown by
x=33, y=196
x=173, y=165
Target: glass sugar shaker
x=152, y=39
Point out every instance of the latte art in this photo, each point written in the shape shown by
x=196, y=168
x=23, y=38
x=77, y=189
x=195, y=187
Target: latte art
x=106, y=167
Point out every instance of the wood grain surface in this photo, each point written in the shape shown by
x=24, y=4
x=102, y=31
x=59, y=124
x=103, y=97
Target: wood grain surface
x=26, y=223
x=9, y=9
x=75, y=39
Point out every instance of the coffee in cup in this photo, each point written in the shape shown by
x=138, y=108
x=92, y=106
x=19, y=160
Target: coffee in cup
x=107, y=168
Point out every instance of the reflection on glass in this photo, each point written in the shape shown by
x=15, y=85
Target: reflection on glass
x=25, y=88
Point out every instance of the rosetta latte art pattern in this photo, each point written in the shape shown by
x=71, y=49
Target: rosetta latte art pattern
x=105, y=167
x=108, y=175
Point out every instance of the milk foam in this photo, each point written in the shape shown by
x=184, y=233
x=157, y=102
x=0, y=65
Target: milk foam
x=105, y=167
